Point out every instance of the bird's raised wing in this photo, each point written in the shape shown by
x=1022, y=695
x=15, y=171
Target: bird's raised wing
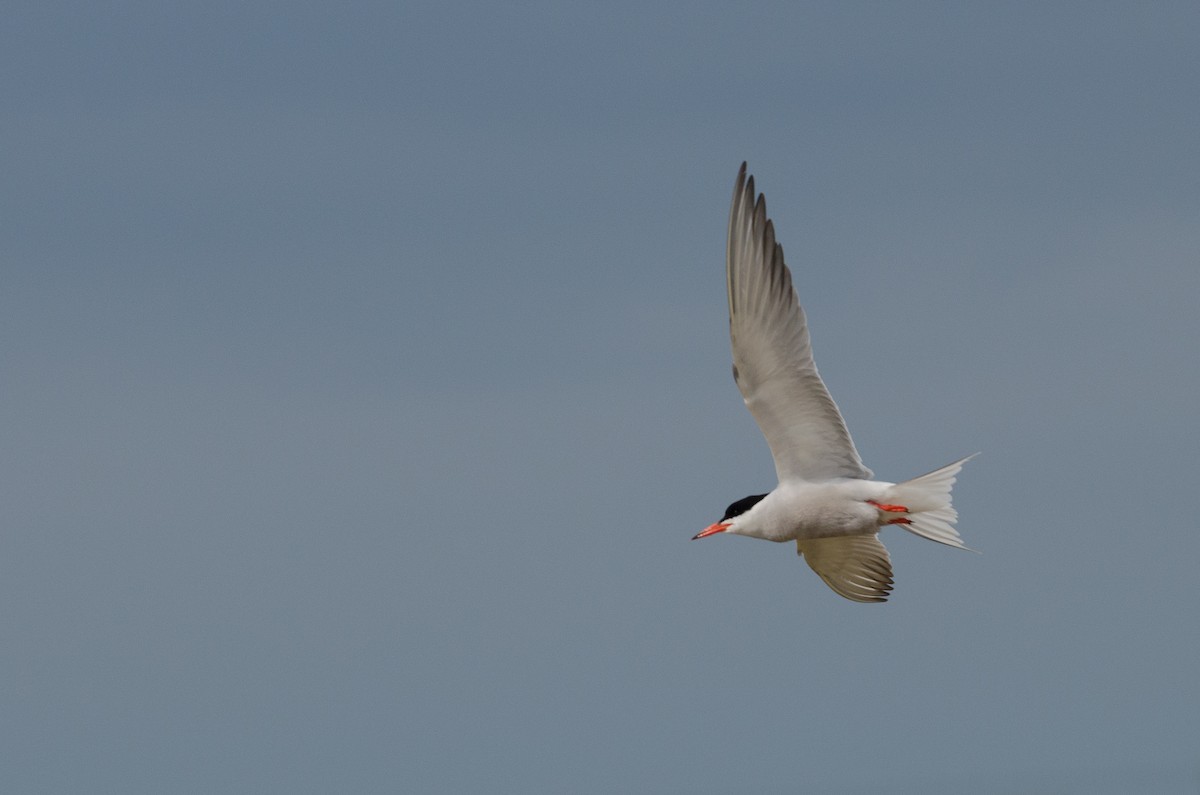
x=857, y=567
x=772, y=358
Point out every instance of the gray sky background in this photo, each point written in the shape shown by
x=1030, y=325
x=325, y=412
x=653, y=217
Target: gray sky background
x=365, y=373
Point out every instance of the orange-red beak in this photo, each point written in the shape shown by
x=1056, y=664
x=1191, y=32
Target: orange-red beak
x=719, y=527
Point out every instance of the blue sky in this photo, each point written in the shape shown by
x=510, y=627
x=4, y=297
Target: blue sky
x=366, y=373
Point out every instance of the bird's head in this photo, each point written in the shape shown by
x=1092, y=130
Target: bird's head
x=729, y=521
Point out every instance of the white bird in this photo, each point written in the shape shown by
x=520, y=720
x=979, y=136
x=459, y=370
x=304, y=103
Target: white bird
x=826, y=500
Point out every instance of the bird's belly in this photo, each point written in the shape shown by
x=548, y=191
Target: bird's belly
x=824, y=516
x=826, y=524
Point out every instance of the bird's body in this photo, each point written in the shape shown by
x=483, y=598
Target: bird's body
x=826, y=500
x=801, y=509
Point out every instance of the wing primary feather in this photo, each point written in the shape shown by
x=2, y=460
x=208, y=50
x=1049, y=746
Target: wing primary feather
x=772, y=355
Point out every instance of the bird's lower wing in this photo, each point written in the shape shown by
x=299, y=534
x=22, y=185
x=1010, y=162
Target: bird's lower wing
x=857, y=567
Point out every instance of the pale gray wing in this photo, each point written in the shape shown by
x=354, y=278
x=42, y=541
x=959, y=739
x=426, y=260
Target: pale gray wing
x=772, y=358
x=857, y=567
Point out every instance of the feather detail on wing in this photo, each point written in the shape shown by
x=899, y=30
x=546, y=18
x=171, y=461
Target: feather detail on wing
x=772, y=357
x=857, y=567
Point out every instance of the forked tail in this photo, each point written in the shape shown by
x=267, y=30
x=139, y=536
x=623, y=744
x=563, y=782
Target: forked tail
x=923, y=505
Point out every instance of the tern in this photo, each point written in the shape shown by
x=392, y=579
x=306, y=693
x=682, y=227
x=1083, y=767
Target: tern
x=826, y=500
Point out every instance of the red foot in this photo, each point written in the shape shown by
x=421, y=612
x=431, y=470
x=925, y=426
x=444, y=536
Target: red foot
x=900, y=520
x=883, y=506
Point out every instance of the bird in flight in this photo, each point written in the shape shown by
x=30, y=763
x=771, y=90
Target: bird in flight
x=827, y=501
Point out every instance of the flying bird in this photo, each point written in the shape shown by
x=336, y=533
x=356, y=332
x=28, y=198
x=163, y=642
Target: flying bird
x=827, y=501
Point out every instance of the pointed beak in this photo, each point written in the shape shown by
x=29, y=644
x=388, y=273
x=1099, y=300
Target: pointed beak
x=719, y=527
